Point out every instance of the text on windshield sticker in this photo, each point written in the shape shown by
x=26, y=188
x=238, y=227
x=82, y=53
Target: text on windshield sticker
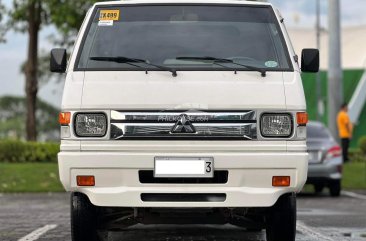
x=106, y=15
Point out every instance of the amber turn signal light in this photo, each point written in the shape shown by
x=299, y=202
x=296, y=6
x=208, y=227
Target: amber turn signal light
x=64, y=118
x=85, y=181
x=302, y=118
x=281, y=181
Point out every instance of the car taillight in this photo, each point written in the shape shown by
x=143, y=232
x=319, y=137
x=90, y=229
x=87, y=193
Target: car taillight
x=335, y=151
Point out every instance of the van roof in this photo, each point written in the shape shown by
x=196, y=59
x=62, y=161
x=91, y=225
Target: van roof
x=184, y=1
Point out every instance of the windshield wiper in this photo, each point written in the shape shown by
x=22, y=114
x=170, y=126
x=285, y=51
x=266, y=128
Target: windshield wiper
x=221, y=60
x=130, y=61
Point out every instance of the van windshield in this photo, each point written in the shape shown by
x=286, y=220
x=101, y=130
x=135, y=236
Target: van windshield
x=183, y=37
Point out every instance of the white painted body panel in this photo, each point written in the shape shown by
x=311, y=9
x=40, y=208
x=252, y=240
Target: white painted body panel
x=115, y=164
x=249, y=185
x=220, y=90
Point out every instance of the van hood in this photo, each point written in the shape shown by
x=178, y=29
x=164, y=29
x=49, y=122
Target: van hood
x=159, y=90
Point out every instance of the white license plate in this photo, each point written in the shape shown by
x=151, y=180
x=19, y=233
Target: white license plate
x=175, y=167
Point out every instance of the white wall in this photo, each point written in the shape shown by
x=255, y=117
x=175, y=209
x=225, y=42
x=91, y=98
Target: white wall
x=353, y=45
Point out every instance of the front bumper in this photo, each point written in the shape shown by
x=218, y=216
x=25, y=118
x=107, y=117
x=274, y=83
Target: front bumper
x=118, y=185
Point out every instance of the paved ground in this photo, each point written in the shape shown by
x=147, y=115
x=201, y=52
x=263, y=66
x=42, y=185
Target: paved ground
x=46, y=217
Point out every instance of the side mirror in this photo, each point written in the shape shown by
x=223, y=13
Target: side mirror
x=58, y=61
x=310, y=61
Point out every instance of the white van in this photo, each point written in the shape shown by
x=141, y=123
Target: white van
x=183, y=111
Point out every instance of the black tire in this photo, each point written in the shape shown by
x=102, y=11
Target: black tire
x=83, y=218
x=281, y=219
x=318, y=188
x=335, y=188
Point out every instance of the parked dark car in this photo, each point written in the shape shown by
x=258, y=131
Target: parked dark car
x=325, y=159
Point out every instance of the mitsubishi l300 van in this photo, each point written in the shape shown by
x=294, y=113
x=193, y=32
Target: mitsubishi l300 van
x=183, y=111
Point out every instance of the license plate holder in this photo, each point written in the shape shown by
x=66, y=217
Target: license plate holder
x=184, y=167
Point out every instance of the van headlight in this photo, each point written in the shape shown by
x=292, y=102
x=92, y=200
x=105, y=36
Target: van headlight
x=276, y=125
x=91, y=125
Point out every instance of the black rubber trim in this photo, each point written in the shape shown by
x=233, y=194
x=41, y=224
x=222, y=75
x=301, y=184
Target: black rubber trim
x=183, y=197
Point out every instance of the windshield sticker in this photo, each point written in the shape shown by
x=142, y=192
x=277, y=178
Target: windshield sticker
x=271, y=64
x=105, y=23
x=111, y=15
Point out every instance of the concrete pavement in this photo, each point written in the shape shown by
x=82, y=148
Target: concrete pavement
x=28, y=217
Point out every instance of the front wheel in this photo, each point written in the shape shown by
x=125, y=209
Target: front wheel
x=83, y=218
x=281, y=219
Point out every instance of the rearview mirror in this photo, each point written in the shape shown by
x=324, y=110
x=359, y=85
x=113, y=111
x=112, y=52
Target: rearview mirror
x=310, y=61
x=58, y=61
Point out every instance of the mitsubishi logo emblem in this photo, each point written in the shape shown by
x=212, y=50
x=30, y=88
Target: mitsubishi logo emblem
x=183, y=126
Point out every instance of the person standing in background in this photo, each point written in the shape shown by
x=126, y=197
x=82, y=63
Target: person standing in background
x=345, y=129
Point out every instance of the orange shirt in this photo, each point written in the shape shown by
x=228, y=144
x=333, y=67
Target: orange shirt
x=344, y=125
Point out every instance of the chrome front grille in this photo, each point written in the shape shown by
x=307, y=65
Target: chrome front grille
x=190, y=125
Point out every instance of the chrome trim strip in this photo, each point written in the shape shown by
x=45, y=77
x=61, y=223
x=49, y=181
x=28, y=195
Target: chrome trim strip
x=194, y=116
x=196, y=124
